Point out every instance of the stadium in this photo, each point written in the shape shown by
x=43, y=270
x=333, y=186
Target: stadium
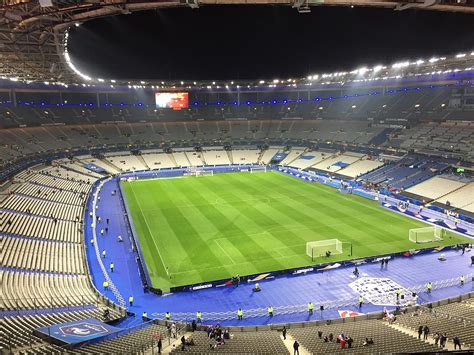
x=324, y=213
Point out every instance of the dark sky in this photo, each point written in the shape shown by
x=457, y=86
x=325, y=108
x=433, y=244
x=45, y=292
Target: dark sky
x=261, y=42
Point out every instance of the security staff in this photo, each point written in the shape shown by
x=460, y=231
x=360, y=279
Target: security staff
x=270, y=311
x=240, y=314
x=429, y=286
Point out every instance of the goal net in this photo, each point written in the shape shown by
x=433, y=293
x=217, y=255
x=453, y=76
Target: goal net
x=319, y=248
x=426, y=234
x=258, y=169
x=204, y=173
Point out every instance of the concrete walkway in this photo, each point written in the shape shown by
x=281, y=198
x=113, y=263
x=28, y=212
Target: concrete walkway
x=289, y=345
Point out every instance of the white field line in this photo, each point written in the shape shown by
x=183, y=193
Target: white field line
x=151, y=234
x=223, y=250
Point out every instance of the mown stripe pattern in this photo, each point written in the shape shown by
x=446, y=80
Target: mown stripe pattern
x=198, y=229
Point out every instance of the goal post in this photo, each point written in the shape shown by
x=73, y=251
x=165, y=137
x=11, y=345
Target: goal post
x=199, y=173
x=426, y=234
x=258, y=169
x=318, y=248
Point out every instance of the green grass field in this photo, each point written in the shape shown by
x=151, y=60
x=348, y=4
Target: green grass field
x=197, y=229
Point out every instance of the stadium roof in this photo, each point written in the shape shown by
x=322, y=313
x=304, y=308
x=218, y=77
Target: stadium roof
x=34, y=33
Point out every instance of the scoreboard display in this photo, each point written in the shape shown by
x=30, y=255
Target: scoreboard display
x=173, y=100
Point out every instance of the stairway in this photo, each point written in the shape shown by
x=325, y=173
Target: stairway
x=449, y=346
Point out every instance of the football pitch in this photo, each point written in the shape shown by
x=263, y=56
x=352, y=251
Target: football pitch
x=197, y=229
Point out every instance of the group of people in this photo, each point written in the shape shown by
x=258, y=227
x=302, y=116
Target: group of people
x=217, y=336
x=440, y=338
x=342, y=339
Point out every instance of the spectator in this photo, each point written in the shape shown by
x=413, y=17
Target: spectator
x=426, y=332
x=343, y=342
x=457, y=342
x=296, y=346
x=442, y=340
x=368, y=341
x=349, y=342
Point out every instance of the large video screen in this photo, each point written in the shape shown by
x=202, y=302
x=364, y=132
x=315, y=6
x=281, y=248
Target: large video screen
x=174, y=100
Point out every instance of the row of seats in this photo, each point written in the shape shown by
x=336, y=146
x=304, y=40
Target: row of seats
x=26, y=290
x=387, y=340
x=60, y=184
x=435, y=187
x=40, y=227
x=127, y=344
x=39, y=255
x=440, y=319
x=48, y=193
x=29, y=205
x=261, y=342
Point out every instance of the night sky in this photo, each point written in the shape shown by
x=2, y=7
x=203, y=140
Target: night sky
x=261, y=42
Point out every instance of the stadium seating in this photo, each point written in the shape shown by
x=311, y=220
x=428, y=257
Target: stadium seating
x=360, y=167
x=216, y=157
x=155, y=160
x=435, y=187
x=261, y=342
x=17, y=331
x=133, y=342
x=456, y=319
x=245, y=156
x=460, y=198
x=386, y=339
